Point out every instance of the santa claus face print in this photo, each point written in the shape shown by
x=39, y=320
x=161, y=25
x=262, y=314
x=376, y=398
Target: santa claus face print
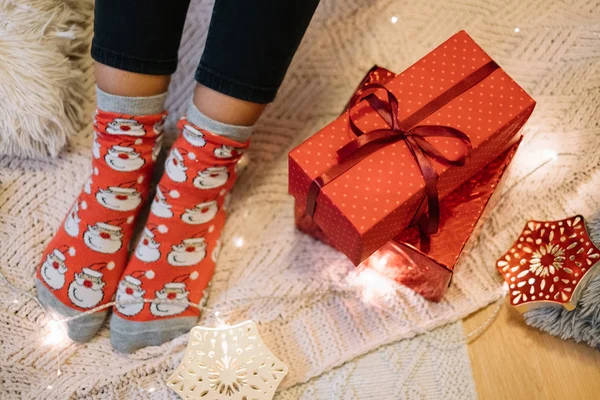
x=96, y=146
x=227, y=152
x=201, y=213
x=119, y=199
x=211, y=177
x=147, y=249
x=72, y=221
x=86, y=290
x=125, y=159
x=103, y=238
x=122, y=126
x=193, y=136
x=160, y=207
x=188, y=252
x=53, y=270
x=175, y=299
x=175, y=166
x=129, y=297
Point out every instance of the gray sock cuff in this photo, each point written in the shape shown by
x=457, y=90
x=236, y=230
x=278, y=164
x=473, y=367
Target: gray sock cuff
x=130, y=105
x=237, y=133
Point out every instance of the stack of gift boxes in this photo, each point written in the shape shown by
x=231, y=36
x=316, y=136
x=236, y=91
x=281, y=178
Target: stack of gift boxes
x=404, y=176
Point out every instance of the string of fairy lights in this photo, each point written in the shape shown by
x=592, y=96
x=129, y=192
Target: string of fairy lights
x=56, y=331
x=372, y=283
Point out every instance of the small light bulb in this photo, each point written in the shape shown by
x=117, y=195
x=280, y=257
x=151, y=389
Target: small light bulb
x=220, y=322
x=381, y=262
x=56, y=334
x=550, y=154
x=151, y=390
x=517, y=30
x=373, y=285
x=238, y=241
x=394, y=19
x=49, y=387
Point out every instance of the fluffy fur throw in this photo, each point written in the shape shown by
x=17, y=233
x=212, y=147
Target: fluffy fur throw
x=583, y=323
x=43, y=90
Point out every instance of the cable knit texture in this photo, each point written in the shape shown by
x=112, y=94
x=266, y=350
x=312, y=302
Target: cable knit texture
x=554, y=55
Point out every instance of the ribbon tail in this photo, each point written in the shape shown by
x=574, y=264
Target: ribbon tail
x=429, y=222
x=313, y=192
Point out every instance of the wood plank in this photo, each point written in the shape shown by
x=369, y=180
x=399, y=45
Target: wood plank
x=511, y=360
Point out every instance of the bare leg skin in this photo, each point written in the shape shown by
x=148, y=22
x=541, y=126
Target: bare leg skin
x=226, y=109
x=129, y=84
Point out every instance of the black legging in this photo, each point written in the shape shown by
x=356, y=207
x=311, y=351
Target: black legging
x=249, y=46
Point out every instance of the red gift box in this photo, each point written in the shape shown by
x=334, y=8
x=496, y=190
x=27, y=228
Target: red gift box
x=426, y=264
x=457, y=85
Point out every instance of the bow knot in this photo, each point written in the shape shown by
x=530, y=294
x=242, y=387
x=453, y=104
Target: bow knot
x=414, y=137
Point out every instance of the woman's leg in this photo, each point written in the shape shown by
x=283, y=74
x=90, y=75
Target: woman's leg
x=249, y=47
x=135, y=47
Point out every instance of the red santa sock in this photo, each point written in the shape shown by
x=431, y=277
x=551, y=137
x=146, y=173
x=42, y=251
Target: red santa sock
x=180, y=242
x=83, y=263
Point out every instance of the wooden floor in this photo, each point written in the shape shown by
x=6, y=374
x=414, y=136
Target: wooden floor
x=514, y=361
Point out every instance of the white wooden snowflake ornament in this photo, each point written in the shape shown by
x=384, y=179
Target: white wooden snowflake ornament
x=227, y=363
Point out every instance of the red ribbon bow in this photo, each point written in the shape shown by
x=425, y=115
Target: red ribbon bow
x=415, y=140
x=408, y=131
x=368, y=142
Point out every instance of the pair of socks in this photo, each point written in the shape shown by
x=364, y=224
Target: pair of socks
x=88, y=263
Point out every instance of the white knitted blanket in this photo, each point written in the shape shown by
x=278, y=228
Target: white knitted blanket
x=424, y=367
x=285, y=280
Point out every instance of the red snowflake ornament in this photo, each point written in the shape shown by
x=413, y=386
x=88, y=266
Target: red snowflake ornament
x=549, y=264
